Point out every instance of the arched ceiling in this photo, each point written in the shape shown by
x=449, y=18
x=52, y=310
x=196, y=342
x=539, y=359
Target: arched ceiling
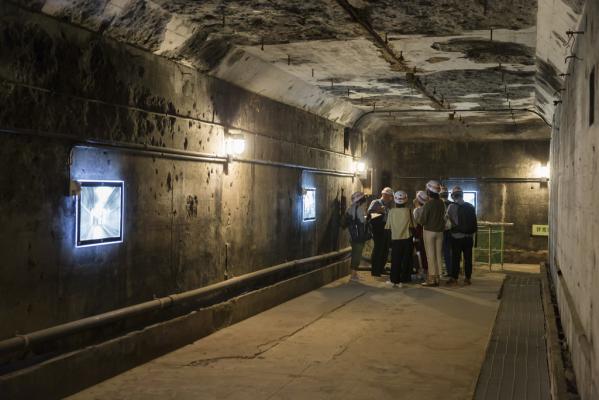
x=344, y=58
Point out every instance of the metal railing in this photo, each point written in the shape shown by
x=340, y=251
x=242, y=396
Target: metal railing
x=489, y=243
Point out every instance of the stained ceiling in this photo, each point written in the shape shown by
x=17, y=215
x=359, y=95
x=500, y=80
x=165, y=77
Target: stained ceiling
x=398, y=67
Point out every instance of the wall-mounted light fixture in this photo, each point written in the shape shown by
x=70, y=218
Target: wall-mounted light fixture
x=234, y=144
x=542, y=172
x=359, y=168
x=99, y=212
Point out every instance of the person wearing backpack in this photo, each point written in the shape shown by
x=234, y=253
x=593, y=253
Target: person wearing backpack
x=359, y=230
x=464, y=225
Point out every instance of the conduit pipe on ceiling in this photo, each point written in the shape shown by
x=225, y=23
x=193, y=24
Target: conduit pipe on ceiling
x=478, y=179
x=23, y=342
x=449, y=111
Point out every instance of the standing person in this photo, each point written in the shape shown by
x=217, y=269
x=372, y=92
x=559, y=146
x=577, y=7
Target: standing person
x=464, y=225
x=432, y=219
x=446, y=233
x=359, y=230
x=399, y=222
x=377, y=215
x=419, y=201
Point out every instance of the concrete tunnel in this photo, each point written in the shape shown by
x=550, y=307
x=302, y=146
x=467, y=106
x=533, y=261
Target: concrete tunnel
x=175, y=177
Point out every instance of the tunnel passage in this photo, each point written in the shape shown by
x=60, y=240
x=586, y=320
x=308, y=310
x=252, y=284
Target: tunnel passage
x=170, y=169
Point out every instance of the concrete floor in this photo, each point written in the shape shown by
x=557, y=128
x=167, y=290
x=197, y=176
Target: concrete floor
x=343, y=341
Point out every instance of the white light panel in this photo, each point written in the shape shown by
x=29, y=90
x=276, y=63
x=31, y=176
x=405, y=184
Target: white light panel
x=100, y=213
x=309, y=204
x=470, y=197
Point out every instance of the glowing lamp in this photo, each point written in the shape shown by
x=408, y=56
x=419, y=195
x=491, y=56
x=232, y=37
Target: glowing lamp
x=235, y=145
x=542, y=171
x=99, y=213
x=359, y=167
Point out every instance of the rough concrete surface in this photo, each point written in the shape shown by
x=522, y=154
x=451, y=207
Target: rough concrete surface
x=187, y=224
x=409, y=165
x=554, y=19
x=68, y=373
x=574, y=254
x=208, y=35
x=448, y=17
x=343, y=341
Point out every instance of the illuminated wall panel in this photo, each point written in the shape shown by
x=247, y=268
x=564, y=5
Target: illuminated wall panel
x=309, y=202
x=99, y=213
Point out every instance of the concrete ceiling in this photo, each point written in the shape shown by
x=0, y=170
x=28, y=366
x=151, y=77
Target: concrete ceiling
x=344, y=58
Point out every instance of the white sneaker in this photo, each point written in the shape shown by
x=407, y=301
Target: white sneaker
x=399, y=285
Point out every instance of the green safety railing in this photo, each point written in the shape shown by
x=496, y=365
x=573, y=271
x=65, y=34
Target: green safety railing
x=489, y=243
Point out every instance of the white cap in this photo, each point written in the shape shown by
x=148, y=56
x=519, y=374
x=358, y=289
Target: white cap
x=388, y=191
x=433, y=186
x=400, y=197
x=422, y=196
x=357, y=197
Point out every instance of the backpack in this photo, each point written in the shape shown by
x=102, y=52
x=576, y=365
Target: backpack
x=359, y=231
x=467, y=222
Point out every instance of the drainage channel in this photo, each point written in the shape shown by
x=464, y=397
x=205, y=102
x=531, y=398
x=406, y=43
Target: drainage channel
x=515, y=366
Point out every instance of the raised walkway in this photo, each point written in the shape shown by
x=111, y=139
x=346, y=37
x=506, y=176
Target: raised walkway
x=343, y=341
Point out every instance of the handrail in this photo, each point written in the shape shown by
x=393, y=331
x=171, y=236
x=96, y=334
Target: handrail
x=485, y=223
x=166, y=152
x=22, y=342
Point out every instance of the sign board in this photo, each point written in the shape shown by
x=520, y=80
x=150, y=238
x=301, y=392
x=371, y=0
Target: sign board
x=540, y=230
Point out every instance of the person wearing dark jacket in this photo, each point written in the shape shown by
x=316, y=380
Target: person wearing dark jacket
x=464, y=225
x=419, y=202
x=432, y=219
x=401, y=224
x=446, y=233
x=359, y=231
x=377, y=214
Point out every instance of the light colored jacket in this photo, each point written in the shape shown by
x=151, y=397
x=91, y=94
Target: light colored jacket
x=399, y=221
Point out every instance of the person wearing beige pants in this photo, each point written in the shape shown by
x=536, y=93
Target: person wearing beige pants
x=433, y=244
x=432, y=219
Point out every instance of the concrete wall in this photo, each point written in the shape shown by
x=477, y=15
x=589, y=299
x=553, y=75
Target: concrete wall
x=409, y=165
x=574, y=215
x=187, y=224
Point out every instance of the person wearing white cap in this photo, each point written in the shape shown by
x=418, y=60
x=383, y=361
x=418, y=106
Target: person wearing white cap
x=432, y=219
x=419, y=202
x=359, y=230
x=446, y=233
x=377, y=214
x=463, y=227
x=399, y=222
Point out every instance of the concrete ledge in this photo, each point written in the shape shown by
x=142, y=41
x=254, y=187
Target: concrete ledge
x=74, y=371
x=557, y=376
x=580, y=349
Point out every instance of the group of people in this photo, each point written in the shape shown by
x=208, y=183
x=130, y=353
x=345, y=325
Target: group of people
x=436, y=230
